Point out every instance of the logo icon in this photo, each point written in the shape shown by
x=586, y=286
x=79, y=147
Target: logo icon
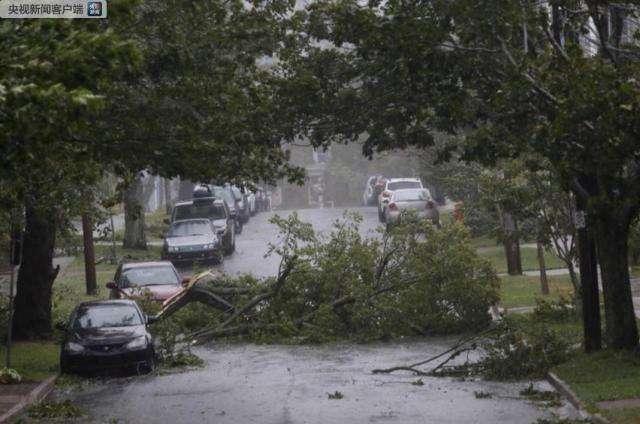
x=94, y=8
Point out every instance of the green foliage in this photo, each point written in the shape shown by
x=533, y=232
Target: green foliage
x=417, y=280
x=9, y=376
x=560, y=310
x=517, y=352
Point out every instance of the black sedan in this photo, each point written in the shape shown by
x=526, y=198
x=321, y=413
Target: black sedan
x=107, y=334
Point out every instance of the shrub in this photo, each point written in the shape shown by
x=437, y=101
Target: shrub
x=9, y=376
x=516, y=353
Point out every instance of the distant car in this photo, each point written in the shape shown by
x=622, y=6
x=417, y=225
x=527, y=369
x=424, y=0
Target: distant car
x=372, y=190
x=192, y=240
x=417, y=201
x=216, y=210
x=220, y=192
x=159, y=279
x=251, y=200
x=242, y=203
x=389, y=187
x=107, y=334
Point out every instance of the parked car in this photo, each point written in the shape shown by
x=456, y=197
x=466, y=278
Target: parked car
x=216, y=210
x=220, y=192
x=192, y=240
x=411, y=201
x=372, y=190
x=107, y=334
x=159, y=279
x=242, y=203
x=389, y=187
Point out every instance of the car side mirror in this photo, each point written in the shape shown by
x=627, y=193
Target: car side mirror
x=185, y=281
x=111, y=285
x=151, y=319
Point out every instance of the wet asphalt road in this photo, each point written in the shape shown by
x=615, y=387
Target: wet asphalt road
x=246, y=383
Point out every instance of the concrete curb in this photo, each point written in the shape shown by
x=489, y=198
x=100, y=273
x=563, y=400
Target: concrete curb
x=564, y=389
x=36, y=395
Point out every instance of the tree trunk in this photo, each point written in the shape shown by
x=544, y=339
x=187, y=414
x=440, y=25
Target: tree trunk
x=32, y=316
x=89, y=256
x=511, y=244
x=620, y=320
x=168, y=201
x=185, y=192
x=544, y=283
x=134, y=237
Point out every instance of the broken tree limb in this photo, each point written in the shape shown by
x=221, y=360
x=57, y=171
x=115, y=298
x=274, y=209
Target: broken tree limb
x=460, y=347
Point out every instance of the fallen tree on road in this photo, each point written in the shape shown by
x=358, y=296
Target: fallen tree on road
x=413, y=280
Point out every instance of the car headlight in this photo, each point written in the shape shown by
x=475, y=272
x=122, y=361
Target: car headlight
x=209, y=246
x=73, y=347
x=137, y=343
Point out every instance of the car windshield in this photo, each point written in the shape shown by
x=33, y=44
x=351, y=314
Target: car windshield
x=189, y=228
x=112, y=315
x=207, y=210
x=411, y=195
x=400, y=185
x=148, y=276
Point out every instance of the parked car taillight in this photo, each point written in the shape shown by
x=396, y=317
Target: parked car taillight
x=393, y=207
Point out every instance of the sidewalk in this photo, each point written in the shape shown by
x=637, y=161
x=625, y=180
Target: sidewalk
x=15, y=398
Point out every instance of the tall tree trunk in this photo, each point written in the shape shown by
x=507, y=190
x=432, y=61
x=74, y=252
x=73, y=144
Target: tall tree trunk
x=89, y=255
x=168, y=201
x=544, y=283
x=134, y=236
x=185, y=192
x=32, y=315
x=590, y=292
x=511, y=244
x=620, y=320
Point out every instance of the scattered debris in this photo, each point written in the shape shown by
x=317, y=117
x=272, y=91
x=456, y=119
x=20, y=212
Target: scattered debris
x=54, y=410
x=9, y=376
x=335, y=395
x=483, y=395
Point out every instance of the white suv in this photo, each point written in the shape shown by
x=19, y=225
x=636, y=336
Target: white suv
x=392, y=185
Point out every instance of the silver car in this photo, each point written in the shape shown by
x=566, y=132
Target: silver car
x=392, y=185
x=417, y=201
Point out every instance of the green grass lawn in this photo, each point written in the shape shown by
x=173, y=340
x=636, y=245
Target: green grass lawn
x=529, y=255
x=516, y=291
x=34, y=361
x=606, y=375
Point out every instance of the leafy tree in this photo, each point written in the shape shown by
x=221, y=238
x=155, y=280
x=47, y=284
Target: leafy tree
x=513, y=77
x=152, y=89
